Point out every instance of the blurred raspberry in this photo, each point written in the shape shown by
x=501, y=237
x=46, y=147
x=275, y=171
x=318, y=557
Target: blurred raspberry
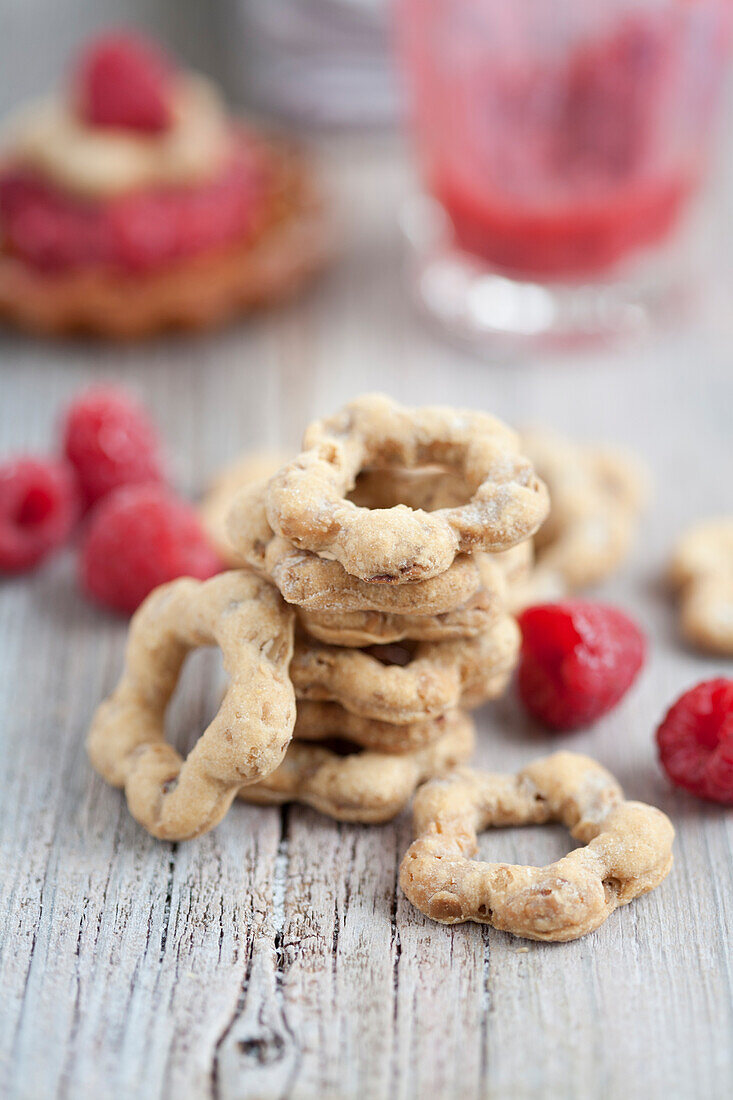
x=49, y=229
x=695, y=741
x=578, y=659
x=144, y=230
x=123, y=80
x=39, y=505
x=111, y=441
x=148, y=229
x=139, y=537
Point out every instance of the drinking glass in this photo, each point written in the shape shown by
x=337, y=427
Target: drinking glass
x=560, y=143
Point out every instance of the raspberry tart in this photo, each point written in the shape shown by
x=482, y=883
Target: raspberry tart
x=132, y=203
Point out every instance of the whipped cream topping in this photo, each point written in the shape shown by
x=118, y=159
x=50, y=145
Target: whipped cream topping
x=100, y=163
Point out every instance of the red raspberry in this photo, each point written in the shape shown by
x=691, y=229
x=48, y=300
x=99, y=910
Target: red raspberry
x=124, y=80
x=141, y=231
x=578, y=659
x=111, y=441
x=695, y=741
x=39, y=505
x=141, y=536
x=49, y=229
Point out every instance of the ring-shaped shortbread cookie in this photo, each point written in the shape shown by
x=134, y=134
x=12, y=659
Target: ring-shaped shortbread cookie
x=437, y=677
x=628, y=849
x=596, y=496
x=317, y=584
x=365, y=628
x=368, y=787
x=324, y=721
x=245, y=617
x=223, y=490
x=307, y=505
x=702, y=569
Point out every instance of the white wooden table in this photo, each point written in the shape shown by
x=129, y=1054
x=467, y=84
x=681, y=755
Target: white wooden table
x=275, y=957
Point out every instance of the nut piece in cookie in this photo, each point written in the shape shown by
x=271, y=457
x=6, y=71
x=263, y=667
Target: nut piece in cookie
x=628, y=849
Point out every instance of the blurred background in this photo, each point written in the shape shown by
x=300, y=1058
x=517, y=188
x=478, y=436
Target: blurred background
x=612, y=119
x=325, y=70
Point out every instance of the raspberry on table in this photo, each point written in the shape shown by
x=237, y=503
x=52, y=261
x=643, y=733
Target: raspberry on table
x=139, y=537
x=578, y=659
x=110, y=440
x=123, y=80
x=695, y=741
x=39, y=505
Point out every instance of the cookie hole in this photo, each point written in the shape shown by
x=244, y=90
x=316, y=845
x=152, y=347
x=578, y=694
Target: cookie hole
x=428, y=487
x=485, y=911
x=169, y=785
x=341, y=746
x=394, y=653
x=196, y=699
x=528, y=845
x=612, y=886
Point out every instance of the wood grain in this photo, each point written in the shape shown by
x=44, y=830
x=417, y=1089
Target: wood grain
x=274, y=957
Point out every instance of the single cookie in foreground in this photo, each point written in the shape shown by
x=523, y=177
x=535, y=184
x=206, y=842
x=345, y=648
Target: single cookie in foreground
x=627, y=849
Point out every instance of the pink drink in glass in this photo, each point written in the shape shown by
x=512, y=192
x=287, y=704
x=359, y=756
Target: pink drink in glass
x=562, y=136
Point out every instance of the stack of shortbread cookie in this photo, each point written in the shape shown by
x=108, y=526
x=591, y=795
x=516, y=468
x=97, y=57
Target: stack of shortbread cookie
x=394, y=534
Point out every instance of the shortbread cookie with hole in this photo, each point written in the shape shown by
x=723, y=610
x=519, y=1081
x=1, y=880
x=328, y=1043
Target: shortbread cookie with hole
x=307, y=500
x=365, y=628
x=702, y=570
x=317, y=584
x=596, y=496
x=223, y=490
x=627, y=849
x=324, y=721
x=362, y=786
x=176, y=799
x=410, y=682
